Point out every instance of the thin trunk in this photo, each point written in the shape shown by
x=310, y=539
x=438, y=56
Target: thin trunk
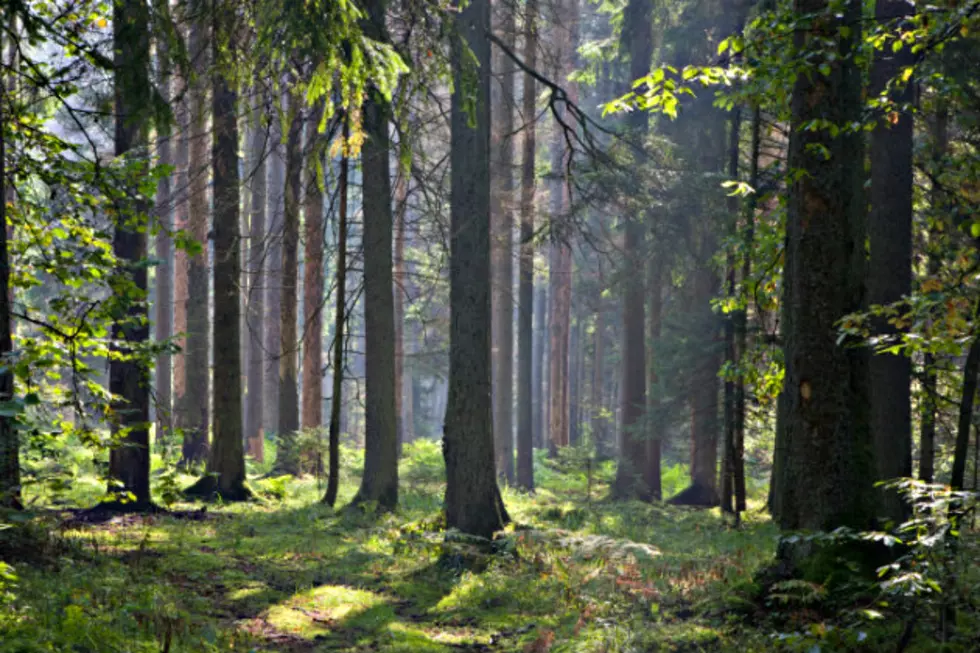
x=164, y=254
x=225, y=474
x=129, y=379
x=575, y=379
x=401, y=204
x=255, y=318
x=890, y=264
x=632, y=455
x=538, y=410
x=970, y=370
x=599, y=424
x=273, y=276
x=472, y=503
x=380, y=480
x=313, y=279
x=654, y=443
x=195, y=416
x=728, y=503
x=181, y=262
x=287, y=455
x=525, y=314
x=336, y=399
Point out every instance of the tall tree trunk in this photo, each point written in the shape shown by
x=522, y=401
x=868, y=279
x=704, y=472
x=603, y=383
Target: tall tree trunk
x=273, y=275
x=10, y=490
x=380, y=480
x=255, y=307
x=574, y=380
x=538, y=404
x=704, y=392
x=194, y=416
x=313, y=278
x=287, y=455
x=225, y=474
x=525, y=314
x=890, y=265
x=826, y=480
x=728, y=503
x=472, y=503
x=971, y=368
x=163, y=322
x=181, y=261
x=632, y=455
x=403, y=429
x=654, y=442
x=129, y=378
x=929, y=405
x=599, y=424
x=336, y=399
x=502, y=246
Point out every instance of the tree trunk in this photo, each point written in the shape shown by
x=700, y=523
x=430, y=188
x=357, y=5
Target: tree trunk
x=525, y=314
x=654, y=442
x=287, y=455
x=255, y=308
x=890, y=266
x=194, y=416
x=225, y=474
x=502, y=220
x=827, y=474
x=538, y=407
x=970, y=370
x=129, y=378
x=574, y=381
x=273, y=276
x=164, y=253
x=313, y=278
x=404, y=429
x=599, y=423
x=728, y=503
x=10, y=490
x=472, y=503
x=336, y=398
x=181, y=261
x=380, y=480
x=632, y=455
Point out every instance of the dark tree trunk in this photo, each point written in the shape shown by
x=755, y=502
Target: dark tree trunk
x=472, y=503
x=287, y=456
x=313, y=278
x=164, y=271
x=970, y=370
x=729, y=464
x=225, y=474
x=404, y=429
x=195, y=414
x=827, y=471
x=630, y=481
x=336, y=399
x=255, y=315
x=525, y=314
x=890, y=265
x=380, y=480
x=129, y=378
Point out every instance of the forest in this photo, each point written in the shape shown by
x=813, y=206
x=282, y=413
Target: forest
x=489, y=326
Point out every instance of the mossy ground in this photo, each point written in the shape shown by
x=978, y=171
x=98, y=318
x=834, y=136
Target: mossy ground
x=288, y=574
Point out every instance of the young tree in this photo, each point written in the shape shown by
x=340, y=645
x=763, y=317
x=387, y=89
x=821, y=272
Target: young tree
x=129, y=376
x=472, y=503
x=255, y=306
x=380, y=480
x=164, y=300
x=313, y=277
x=525, y=314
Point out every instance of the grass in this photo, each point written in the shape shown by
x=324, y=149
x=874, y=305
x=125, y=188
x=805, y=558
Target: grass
x=288, y=574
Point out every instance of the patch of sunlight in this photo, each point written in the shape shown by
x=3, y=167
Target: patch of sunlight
x=321, y=609
x=408, y=639
x=245, y=593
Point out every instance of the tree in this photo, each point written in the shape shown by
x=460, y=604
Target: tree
x=225, y=472
x=525, y=313
x=273, y=276
x=194, y=414
x=255, y=305
x=163, y=321
x=472, y=503
x=890, y=261
x=637, y=37
x=826, y=472
x=380, y=480
x=502, y=261
x=313, y=277
x=402, y=407
x=287, y=457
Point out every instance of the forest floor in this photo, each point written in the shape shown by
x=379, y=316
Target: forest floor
x=573, y=573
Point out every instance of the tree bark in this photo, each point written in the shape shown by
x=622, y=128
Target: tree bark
x=287, y=455
x=629, y=481
x=313, y=278
x=255, y=307
x=195, y=413
x=225, y=473
x=404, y=428
x=654, y=442
x=538, y=404
x=273, y=276
x=890, y=265
x=380, y=480
x=164, y=253
x=129, y=378
x=826, y=480
x=965, y=421
x=181, y=261
x=472, y=502
x=336, y=399
x=729, y=464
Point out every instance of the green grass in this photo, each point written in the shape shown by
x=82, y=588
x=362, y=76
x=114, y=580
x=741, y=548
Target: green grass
x=573, y=573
